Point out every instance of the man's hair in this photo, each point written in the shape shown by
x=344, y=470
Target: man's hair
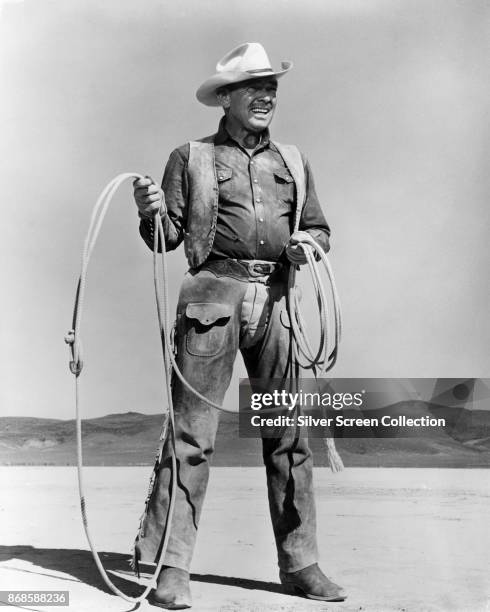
x=223, y=90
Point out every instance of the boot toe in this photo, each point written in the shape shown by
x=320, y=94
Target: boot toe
x=313, y=584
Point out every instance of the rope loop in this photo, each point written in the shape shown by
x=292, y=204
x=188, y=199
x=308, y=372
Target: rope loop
x=76, y=367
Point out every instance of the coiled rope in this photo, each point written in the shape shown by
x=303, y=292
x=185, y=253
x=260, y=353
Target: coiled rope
x=320, y=361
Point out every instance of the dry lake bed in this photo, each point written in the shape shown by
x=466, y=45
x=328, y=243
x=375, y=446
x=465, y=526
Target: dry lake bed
x=396, y=538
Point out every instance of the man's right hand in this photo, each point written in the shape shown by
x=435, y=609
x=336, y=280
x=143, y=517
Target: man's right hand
x=149, y=197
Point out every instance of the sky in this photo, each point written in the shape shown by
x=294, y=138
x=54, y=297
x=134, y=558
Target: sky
x=388, y=99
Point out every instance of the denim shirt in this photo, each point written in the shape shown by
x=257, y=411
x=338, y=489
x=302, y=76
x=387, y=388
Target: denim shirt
x=256, y=201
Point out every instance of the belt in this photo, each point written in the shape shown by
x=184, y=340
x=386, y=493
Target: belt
x=243, y=269
x=256, y=267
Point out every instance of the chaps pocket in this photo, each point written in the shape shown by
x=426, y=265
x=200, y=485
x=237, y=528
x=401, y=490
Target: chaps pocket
x=206, y=327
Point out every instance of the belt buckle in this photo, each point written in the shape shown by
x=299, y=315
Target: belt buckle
x=256, y=268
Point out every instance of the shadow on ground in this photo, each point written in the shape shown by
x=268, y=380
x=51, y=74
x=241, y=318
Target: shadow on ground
x=80, y=565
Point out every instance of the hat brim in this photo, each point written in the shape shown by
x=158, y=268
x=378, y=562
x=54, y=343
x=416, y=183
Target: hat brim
x=206, y=94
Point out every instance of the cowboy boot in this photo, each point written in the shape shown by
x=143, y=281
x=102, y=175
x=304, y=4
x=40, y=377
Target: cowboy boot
x=173, y=590
x=312, y=583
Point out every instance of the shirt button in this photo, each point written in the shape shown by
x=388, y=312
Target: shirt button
x=259, y=200
x=261, y=220
x=261, y=242
x=256, y=180
x=252, y=162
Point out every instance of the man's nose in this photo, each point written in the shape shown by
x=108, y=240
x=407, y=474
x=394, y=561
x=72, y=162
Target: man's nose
x=265, y=96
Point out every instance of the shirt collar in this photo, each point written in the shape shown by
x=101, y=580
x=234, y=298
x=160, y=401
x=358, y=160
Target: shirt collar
x=223, y=135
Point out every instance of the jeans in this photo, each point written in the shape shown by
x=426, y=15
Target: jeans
x=220, y=310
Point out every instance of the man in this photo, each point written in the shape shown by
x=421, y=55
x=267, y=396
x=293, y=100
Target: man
x=232, y=198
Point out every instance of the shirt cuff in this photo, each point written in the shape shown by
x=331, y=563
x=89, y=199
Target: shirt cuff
x=321, y=237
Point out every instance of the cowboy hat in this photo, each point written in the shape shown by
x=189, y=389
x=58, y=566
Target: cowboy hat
x=245, y=62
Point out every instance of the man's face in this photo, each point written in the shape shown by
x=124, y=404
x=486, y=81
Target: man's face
x=251, y=104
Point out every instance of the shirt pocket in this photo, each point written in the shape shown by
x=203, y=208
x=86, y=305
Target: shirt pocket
x=284, y=186
x=225, y=182
x=207, y=326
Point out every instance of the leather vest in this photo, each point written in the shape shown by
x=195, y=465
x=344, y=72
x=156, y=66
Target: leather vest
x=202, y=211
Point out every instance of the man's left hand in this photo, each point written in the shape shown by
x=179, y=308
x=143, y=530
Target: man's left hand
x=295, y=253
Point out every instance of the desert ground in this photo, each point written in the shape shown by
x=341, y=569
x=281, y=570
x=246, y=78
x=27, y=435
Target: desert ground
x=397, y=539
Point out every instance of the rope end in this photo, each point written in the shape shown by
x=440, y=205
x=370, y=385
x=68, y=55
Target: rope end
x=334, y=459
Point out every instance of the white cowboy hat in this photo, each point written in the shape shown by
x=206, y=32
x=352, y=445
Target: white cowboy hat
x=245, y=62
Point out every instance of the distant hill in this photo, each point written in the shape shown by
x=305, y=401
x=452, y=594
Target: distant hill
x=132, y=438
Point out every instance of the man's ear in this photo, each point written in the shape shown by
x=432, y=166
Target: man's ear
x=223, y=97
